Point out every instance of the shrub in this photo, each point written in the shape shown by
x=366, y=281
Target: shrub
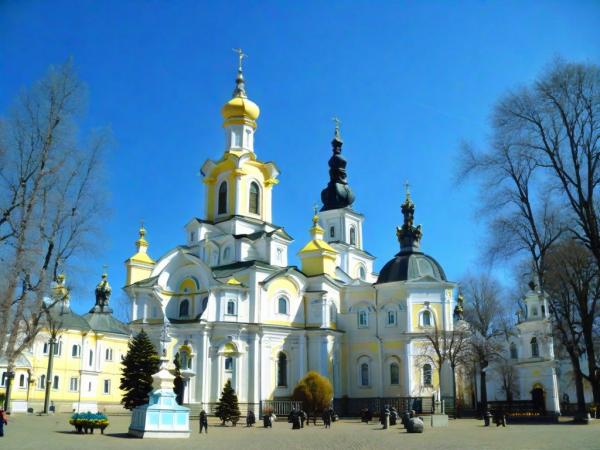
x=314, y=391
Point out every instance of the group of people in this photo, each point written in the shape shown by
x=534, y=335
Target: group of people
x=387, y=416
x=298, y=417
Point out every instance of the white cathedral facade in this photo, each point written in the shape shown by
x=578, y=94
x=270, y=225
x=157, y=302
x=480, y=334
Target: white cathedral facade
x=237, y=309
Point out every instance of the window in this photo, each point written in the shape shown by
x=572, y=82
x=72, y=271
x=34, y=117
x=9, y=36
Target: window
x=426, y=319
x=535, y=349
x=22, y=380
x=45, y=350
x=55, y=382
x=362, y=273
x=91, y=358
x=222, y=201
x=363, y=319
x=544, y=310
x=108, y=354
x=282, y=370
x=427, y=375
x=76, y=351
x=42, y=382
x=364, y=374
x=192, y=236
x=231, y=307
x=184, y=308
x=331, y=231
x=394, y=374
x=229, y=364
x=74, y=384
x=282, y=305
x=4, y=378
x=226, y=254
x=254, y=205
x=106, y=386
x=90, y=386
x=391, y=318
x=513, y=351
x=352, y=236
x=58, y=348
x=534, y=311
x=279, y=255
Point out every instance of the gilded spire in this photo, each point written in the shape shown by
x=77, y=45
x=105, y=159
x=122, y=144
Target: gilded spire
x=240, y=85
x=409, y=236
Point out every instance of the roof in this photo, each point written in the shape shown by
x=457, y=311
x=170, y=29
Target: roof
x=66, y=319
x=411, y=265
x=104, y=322
x=315, y=245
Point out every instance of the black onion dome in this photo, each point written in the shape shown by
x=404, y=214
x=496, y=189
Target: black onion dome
x=406, y=266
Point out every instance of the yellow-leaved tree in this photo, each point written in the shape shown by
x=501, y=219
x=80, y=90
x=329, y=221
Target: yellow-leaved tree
x=314, y=391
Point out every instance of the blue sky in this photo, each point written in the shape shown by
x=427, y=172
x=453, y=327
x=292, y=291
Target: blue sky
x=409, y=80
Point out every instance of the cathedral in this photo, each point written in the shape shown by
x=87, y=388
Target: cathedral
x=237, y=309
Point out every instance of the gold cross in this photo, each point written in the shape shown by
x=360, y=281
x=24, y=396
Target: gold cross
x=241, y=56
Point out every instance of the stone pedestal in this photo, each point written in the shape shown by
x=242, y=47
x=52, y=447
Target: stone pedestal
x=162, y=417
x=439, y=420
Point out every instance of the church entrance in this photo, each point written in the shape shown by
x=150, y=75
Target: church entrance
x=537, y=397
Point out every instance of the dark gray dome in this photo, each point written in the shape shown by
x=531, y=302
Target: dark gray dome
x=410, y=265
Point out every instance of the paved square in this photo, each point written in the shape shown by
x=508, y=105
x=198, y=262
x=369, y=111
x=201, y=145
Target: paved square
x=54, y=433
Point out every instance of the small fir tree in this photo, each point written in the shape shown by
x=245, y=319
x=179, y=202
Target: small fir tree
x=140, y=363
x=178, y=381
x=227, y=409
x=314, y=391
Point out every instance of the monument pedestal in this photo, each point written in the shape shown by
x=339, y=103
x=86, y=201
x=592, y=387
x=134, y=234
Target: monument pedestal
x=439, y=420
x=162, y=417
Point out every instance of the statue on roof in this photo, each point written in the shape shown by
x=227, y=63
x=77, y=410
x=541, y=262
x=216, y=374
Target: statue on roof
x=103, y=291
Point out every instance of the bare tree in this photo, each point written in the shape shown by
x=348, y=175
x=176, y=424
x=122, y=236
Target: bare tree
x=540, y=174
x=50, y=200
x=484, y=314
x=508, y=377
x=446, y=347
x=573, y=285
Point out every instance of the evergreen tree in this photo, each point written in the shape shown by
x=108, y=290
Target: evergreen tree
x=178, y=381
x=140, y=363
x=227, y=409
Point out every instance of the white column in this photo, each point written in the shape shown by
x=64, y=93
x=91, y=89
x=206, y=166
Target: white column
x=134, y=308
x=553, y=400
x=206, y=368
x=238, y=205
x=408, y=369
x=302, y=355
x=254, y=371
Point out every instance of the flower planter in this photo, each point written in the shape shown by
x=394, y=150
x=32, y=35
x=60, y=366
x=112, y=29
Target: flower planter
x=86, y=423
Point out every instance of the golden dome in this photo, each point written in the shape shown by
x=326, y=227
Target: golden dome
x=240, y=109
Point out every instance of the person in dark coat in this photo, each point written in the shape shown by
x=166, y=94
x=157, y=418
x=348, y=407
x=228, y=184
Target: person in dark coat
x=303, y=417
x=327, y=418
x=203, y=422
x=250, y=418
x=3, y=421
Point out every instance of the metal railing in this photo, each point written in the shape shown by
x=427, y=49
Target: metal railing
x=353, y=406
x=280, y=407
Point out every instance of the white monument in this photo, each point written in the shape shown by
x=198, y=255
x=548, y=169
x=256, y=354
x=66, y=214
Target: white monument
x=162, y=417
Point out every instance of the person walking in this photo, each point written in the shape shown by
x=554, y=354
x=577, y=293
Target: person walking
x=203, y=422
x=3, y=421
x=327, y=418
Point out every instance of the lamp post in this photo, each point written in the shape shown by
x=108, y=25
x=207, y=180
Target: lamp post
x=52, y=343
x=10, y=375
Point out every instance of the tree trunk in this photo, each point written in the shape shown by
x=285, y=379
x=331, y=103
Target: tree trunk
x=454, y=391
x=579, y=389
x=592, y=367
x=483, y=389
x=10, y=375
x=49, y=374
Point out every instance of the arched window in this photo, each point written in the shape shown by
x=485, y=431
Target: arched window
x=55, y=382
x=91, y=358
x=535, y=349
x=352, y=236
x=332, y=231
x=426, y=319
x=391, y=318
x=282, y=305
x=226, y=254
x=76, y=351
x=364, y=374
x=363, y=318
x=394, y=374
x=231, y=307
x=427, y=375
x=222, y=201
x=22, y=380
x=362, y=273
x=281, y=370
x=42, y=383
x=254, y=201
x=229, y=364
x=58, y=348
x=513, y=351
x=184, y=308
x=45, y=350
